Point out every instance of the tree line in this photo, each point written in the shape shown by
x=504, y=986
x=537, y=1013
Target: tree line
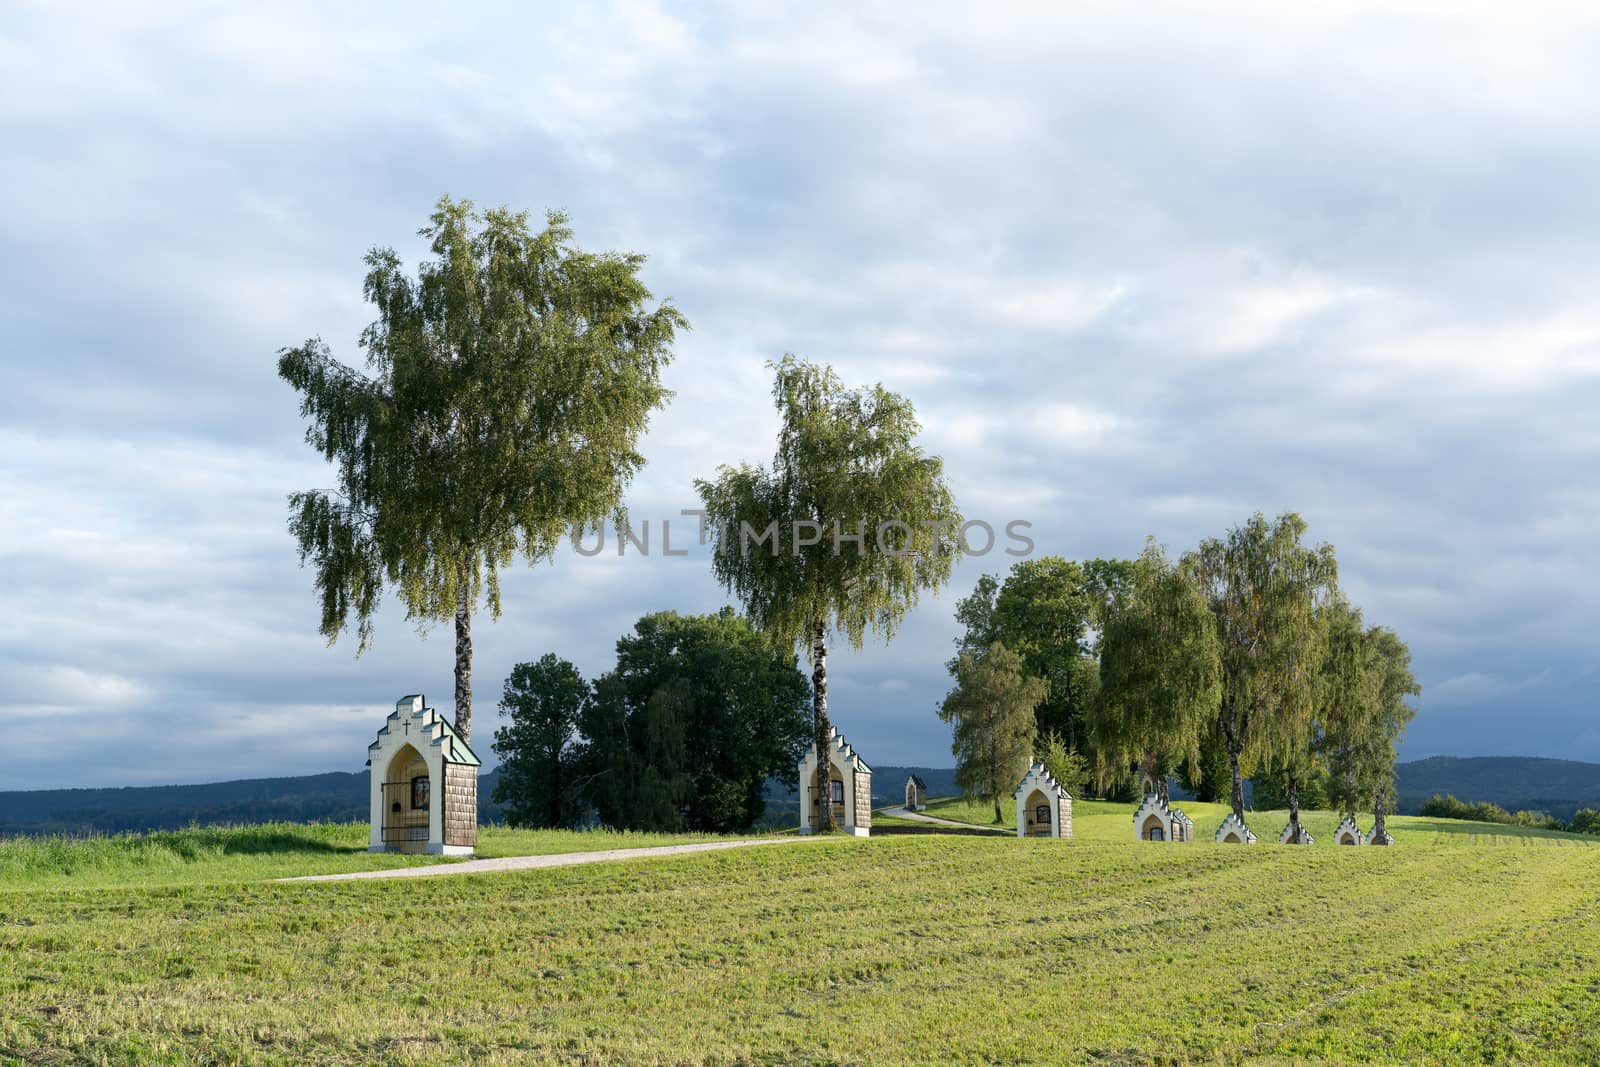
x=1242, y=656
x=1583, y=821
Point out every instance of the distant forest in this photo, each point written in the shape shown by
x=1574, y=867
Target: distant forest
x=1516, y=783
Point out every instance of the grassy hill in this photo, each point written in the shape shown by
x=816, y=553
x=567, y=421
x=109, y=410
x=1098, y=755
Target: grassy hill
x=1466, y=943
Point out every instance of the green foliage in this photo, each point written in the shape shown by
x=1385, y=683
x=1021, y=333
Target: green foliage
x=1160, y=671
x=1270, y=789
x=1044, y=612
x=543, y=701
x=684, y=732
x=1448, y=807
x=1264, y=587
x=1210, y=780
x=992, y=710
x=847, y=457
x=1066, y=764
x=1585, y=821
x=506, y=388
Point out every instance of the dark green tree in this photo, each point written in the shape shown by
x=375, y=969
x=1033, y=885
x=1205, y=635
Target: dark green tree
x=842, y=534
x=1264, y=586
x=1046, y=611
x=992, y=710
x=544, y=701
x=506, y=387
x=684, y=733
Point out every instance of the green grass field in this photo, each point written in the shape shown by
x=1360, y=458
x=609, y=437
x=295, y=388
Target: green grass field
x=1464, y=944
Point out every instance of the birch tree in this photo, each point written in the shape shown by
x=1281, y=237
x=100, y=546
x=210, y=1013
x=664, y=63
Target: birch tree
x=1264, y=586
x=843, y=533
x=1160, y=673
x=506, y=387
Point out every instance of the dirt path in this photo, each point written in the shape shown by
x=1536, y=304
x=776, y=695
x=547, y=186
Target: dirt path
x=562, y=859
x=917, y=816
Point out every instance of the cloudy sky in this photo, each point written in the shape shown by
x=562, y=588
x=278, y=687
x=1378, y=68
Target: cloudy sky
x=1139, y=276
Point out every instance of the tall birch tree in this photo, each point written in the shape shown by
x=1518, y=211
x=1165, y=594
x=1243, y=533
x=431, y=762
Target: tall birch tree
x=506, y=387
x=1264, y=586
x=842, y=534
x=1160, y=673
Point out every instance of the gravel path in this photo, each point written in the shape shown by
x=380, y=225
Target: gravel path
x=917, y=816
x=563, y=859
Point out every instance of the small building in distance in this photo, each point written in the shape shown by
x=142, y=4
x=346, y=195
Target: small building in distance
x=1288, y=831
x=1044, y=809
x=848, y=789
x=1349, y=833
x=424, y=784
x=1233, y=831
x=916, y=794
x=1157, y=821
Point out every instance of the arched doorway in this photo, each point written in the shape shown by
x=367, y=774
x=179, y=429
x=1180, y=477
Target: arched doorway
x=1154, y=829
x=911, y=796
x=1040, y=818
x=407, y=802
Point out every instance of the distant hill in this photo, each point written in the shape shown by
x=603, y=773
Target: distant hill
x=1514, y=782
x=333, y=797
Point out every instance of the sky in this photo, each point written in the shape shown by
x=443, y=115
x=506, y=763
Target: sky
x=1141, y=275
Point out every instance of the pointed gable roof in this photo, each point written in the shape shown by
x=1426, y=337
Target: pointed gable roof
x=427, y=728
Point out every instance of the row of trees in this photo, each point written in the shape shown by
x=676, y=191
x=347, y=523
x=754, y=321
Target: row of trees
x=682, y=734
x=1242, y=654
x=506, y=388
x=1583, y=821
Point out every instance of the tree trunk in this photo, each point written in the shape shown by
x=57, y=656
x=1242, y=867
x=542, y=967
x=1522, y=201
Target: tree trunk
x=552, y=806
x=464, y=663
x=1237, y=798
x=1294, y=807
x=1163, y=790
x=998, y=818
x=1380, y=801
x=819, y=708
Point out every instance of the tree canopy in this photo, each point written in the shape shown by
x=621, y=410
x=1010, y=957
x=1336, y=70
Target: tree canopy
x=505, y=390
x=683, y=734
x=1264, y=587
x=1160, y=673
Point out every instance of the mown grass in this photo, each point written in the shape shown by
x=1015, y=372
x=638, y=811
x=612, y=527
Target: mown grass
x=255, y=853
x=909, y=949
